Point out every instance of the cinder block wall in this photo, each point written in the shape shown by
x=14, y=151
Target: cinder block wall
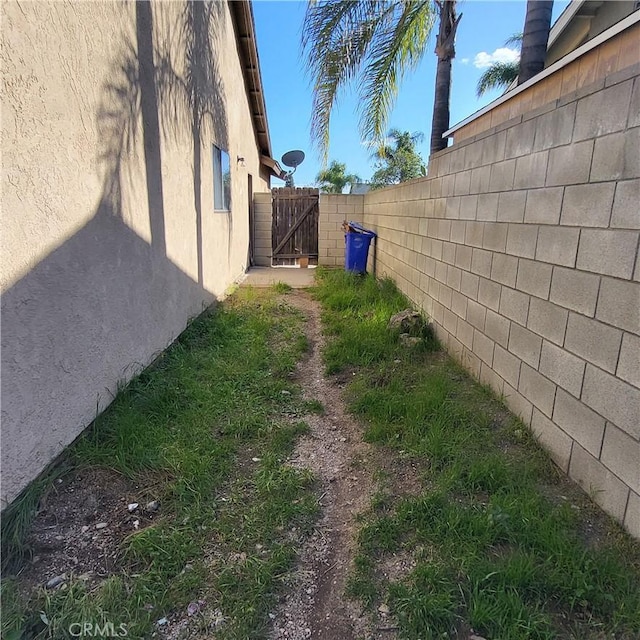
x=334, y=210
x=522, y=246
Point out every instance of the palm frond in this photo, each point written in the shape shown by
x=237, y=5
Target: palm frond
x=498, y=75
x=515, y=39
x=397, y=48
x=336, y=36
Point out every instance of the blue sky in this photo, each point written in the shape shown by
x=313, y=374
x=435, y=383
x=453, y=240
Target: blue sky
x=483, y=29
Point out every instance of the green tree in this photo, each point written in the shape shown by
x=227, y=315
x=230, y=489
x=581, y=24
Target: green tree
x=399, y=161
x=500, y=74
x=334, y=178
x=374, y=43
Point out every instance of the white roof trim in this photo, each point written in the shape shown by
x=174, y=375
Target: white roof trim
x=563, y=20
x=617, y=28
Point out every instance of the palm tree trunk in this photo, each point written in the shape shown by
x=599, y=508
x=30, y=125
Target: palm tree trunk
x=445, y=50
x=535, y=38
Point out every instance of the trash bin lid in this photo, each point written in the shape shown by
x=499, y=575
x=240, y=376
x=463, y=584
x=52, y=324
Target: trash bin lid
x=358, y=228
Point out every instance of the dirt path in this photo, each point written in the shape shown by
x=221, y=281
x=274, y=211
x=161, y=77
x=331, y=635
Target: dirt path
x=335, y=452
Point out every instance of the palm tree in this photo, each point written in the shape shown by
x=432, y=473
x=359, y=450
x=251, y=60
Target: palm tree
x=500, y=74
x=535, y=38
x=374, y=42
x=334, y=178
x=446, y=52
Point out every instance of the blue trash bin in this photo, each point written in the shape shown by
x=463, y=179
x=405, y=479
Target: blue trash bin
x=357, y=241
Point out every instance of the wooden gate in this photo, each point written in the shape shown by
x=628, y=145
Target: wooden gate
x=294, y=225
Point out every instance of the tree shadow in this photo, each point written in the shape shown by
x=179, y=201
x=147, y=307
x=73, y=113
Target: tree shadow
x=106, y=301
x=170, y=83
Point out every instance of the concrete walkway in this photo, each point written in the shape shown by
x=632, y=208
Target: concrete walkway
x=266, y=276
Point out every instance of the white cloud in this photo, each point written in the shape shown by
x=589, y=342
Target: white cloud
x=465, y=61
x=504, y=54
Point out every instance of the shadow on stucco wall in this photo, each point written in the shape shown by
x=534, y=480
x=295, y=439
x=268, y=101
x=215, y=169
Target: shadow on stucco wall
x=170, y=80
x=103, y=304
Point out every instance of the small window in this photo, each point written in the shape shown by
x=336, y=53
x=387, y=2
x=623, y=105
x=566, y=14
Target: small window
x=221, y=180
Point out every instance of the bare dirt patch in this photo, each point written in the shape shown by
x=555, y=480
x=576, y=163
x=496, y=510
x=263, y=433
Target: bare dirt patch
x=316, y=606
x=80, y=525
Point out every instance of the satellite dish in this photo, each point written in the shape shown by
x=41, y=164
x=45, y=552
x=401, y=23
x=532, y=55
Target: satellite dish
x=293, y=158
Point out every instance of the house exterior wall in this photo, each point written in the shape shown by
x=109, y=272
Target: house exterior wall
x=109, y=238
x=522, y=246
x=601, y=66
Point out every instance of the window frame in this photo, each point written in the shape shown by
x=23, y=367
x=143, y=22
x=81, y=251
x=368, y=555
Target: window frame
x=222, y=201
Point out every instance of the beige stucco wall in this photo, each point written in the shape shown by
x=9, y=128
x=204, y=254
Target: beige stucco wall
x=109, y=238
x=522, y=246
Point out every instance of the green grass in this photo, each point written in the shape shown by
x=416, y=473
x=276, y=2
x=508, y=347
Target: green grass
x=191, y=424
x=497, y=541
x=356, y=310
x=281, y=287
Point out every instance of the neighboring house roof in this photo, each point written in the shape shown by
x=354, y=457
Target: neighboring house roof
x=605, y=25
x=358, y=188
x=242, y=15
x=583, y=20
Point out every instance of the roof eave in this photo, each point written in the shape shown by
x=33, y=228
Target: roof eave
x=242, y=15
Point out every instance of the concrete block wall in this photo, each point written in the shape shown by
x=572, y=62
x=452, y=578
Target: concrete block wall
x=334, y=210
x=262, y=229
x=522, y=246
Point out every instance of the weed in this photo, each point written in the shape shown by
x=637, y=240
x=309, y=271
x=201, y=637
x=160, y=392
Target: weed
x=314, y=406
x=281, y=287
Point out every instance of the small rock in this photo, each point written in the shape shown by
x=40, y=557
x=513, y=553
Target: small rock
x=57, y=581
x=102, y=525
x=84, y=529
x=384, y=609
x=154, y=505
x=272, y=616
x=132, y=507
x=475, y=637
x=194, y=607
x=162, y=622
x=397, y=361
x=285, y=393
x=409, y=341
x=136, y=524
x=407, y=321
x=255, y=459
x=343, y=439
